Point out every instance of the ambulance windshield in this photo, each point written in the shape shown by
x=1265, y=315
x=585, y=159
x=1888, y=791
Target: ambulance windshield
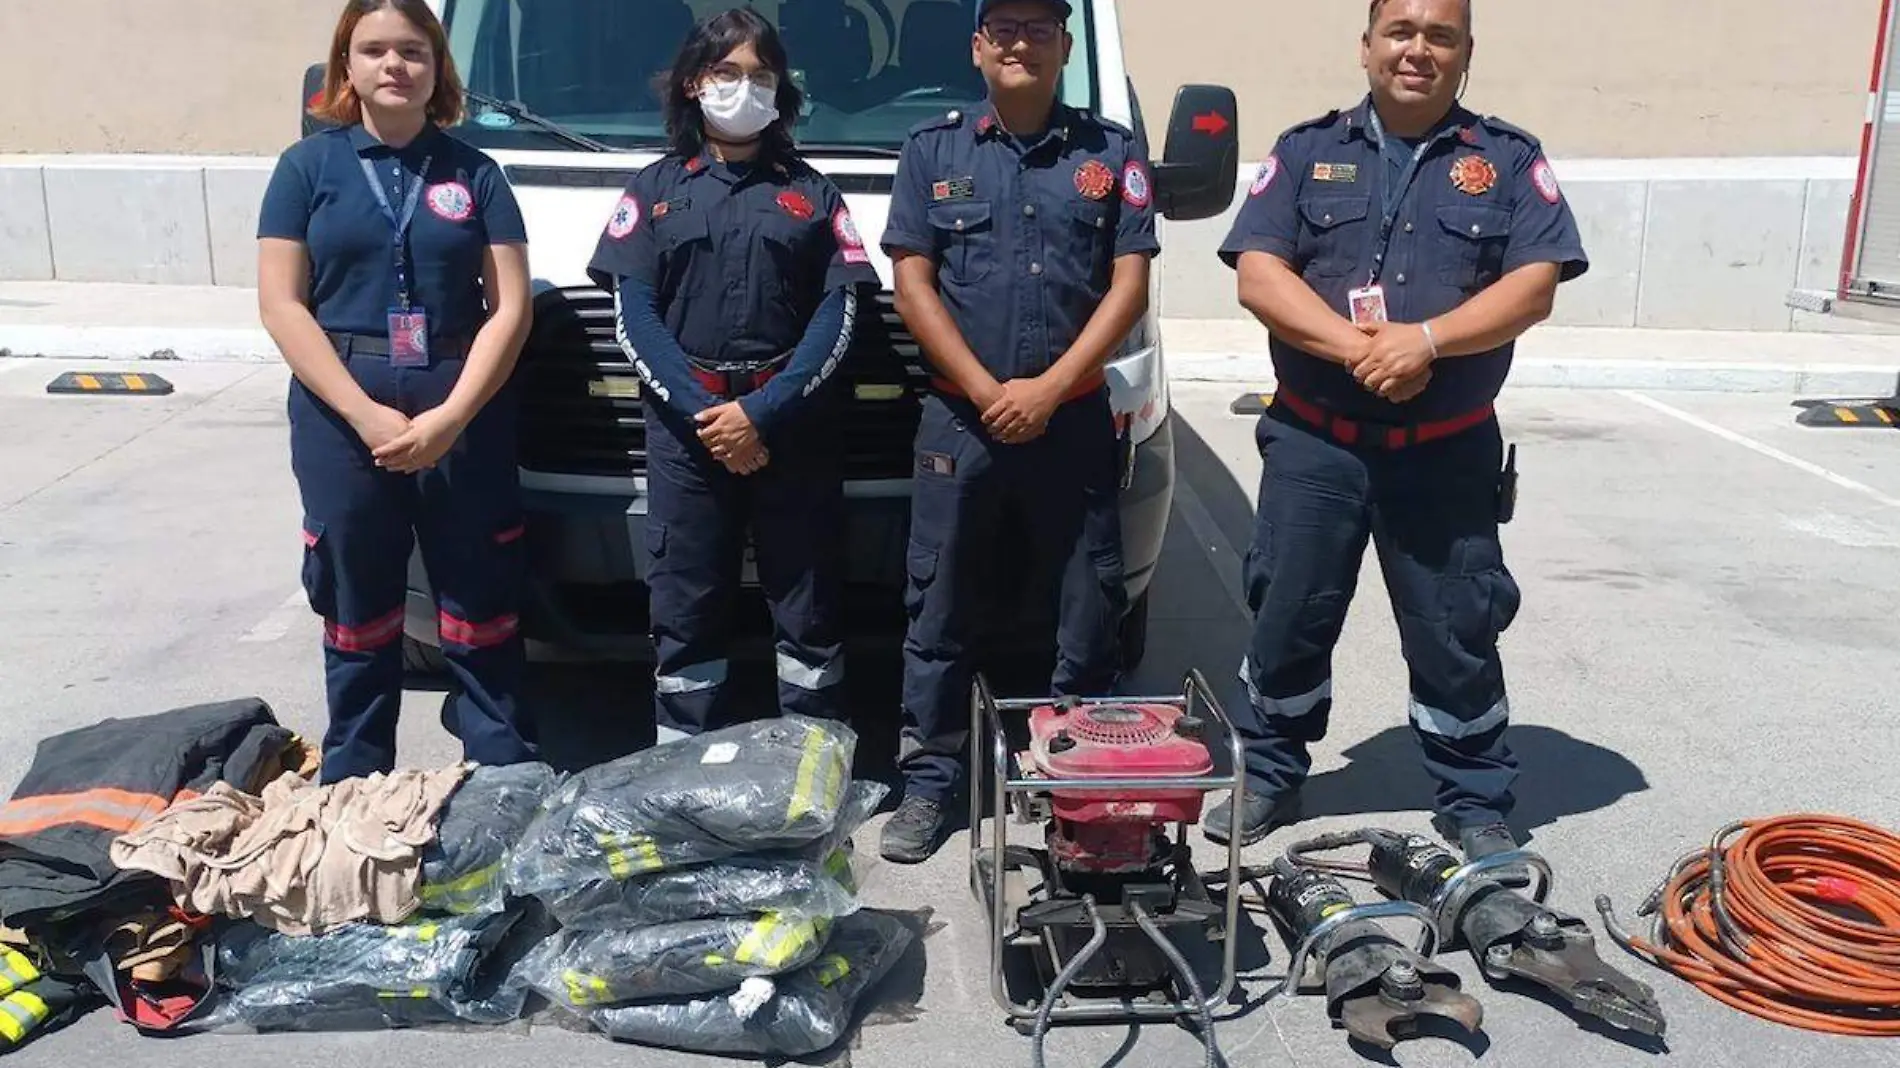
x=871, y=69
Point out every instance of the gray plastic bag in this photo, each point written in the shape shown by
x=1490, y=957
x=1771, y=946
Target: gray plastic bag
x=464, y=869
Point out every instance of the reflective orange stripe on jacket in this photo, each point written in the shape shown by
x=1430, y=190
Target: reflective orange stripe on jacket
x=105, y=808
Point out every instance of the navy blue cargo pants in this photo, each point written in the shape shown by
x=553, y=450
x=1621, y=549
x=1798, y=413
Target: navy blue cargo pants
x=1431, y=511
x=1062, y=489
x=360, y=525
x=698, y=515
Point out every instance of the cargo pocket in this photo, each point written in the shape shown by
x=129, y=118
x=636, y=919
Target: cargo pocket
x=656, y=546
x=1480, y=596
x=920, y=566
x=319, y=571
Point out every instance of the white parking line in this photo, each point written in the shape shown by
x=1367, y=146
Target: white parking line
x=1220, y=552
x=1769, y=451
x=280, y=620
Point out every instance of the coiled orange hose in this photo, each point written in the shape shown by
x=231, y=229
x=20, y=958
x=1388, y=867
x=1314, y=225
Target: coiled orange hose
x=1795, y=920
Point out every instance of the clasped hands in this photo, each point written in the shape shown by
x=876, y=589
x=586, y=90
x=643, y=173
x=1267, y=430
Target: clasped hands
x=728, y=433
x=1394, y=360
x=1018, y=411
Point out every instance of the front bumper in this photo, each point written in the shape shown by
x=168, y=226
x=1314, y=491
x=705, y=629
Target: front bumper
x=585, y=599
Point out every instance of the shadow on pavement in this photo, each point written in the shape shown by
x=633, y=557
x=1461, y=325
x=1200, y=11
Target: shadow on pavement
x=1560, y=776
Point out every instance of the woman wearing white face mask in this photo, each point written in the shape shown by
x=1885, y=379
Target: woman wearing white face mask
x=735, y=269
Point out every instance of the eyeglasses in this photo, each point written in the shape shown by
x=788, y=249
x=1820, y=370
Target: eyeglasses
x=727, y=74
x=1009, y=31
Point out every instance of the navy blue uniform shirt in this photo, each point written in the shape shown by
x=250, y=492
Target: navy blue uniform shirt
x=1482, y=201
x=318, y=195
x=1024, y=235
x=740, y=256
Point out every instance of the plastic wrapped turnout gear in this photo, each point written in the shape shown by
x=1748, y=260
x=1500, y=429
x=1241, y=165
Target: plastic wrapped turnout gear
x=771, y=785
x=463, y=869
x=367, y=976
x=807, y=1011
x=588, y=969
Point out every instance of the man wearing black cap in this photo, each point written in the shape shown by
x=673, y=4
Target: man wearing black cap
x=1021, y=235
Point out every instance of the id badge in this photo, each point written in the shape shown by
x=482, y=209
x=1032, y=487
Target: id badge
x=1368, y=305
x=409, y=338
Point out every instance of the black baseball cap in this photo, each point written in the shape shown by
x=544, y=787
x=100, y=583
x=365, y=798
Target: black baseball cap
x=983, y=8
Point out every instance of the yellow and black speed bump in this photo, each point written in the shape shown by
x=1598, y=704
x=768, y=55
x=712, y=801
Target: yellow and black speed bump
x=1872, y=415
x=1250, y=403
x=114, y=382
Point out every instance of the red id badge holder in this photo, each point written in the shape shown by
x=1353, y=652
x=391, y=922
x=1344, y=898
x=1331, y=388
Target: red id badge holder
x=408, y=338
x=1368, y=305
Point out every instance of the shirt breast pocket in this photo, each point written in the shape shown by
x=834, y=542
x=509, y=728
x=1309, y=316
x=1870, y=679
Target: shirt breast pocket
x=1093, y=230
x=1470, y=246
x=966, y=239
x=1334, y=234
x=678, y=229
x=784, y=248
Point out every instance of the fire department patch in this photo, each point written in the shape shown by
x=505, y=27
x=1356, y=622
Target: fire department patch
x=1545, y=180
x=1473, y=175
x=1135, y=184
x=451, y=201
x=1264, y=177
x=850, y=244
x=1093, y=179
x=796, y=204
x=626, y=216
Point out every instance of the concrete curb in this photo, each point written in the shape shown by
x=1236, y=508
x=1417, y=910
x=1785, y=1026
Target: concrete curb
x=1247, y=369
x=137, y=343
x=1809, y=380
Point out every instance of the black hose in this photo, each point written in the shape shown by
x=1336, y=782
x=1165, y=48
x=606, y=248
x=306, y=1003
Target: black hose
x=1046, y=1010
x=1160, y=939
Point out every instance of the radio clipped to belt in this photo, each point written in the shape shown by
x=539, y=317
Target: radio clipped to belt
x=1507, y=486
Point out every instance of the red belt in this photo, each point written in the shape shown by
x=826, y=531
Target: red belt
x=727, y=385
x=1082, y=389
x=1349, y=431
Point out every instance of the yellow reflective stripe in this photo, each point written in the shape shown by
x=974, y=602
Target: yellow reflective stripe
x=20, y=1012
x=585, y=989
x=417, y=993
x=714, y=960
x=427, y=932
x=838, y=866
x=773, y=943
x=754, y=943
x=16, y=971
x=462, y=892
x=808, y=776
x=645, y=854
x=793, y=941
x=831, y=969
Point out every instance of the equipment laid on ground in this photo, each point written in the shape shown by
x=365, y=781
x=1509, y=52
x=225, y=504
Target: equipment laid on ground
x=1376, y=986
x=1794, y=919
x=1509, y=935
x=1099, y=904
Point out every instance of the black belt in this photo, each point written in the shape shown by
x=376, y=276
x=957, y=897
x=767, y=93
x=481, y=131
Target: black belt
x=440, y=348
x=731, y=381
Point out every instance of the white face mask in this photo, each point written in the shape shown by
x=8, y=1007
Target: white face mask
x=737, y=110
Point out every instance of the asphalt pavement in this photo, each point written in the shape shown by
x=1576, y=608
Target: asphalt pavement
x=1708, y=633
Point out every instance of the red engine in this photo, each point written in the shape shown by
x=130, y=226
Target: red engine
x=1114, y=833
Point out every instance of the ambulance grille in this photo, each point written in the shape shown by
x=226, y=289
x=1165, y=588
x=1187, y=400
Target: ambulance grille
x=581, y=412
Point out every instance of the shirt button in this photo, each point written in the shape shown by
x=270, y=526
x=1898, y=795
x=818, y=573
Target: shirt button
x=1035, y=268
x=1327, y=218
x=1476, y=229
x=1408, y=228
x=1029, y=209
x=1401, y=279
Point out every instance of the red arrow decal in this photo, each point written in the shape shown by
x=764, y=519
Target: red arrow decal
x=1212, y=124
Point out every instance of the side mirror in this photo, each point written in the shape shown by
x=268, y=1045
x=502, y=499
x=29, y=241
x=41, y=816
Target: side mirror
x=1196, y=176
x=312, y=85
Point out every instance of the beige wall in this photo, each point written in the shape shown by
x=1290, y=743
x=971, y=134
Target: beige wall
x=1602, y=78
x=1597, y=78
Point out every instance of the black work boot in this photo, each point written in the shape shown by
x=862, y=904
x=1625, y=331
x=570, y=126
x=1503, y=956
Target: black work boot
x=1260, y=815
x=1479, y=840
x=915, y=830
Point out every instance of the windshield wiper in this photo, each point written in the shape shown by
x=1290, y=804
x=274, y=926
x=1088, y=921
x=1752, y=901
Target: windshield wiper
x=826, y=149
x=519, y=112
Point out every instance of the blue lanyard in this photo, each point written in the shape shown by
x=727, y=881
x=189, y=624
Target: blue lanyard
x=400, y=225
x=1394, y=194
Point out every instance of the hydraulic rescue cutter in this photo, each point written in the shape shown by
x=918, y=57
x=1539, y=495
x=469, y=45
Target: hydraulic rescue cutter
x=1106, y=901
x=1509, y=935
x=1377, y=987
